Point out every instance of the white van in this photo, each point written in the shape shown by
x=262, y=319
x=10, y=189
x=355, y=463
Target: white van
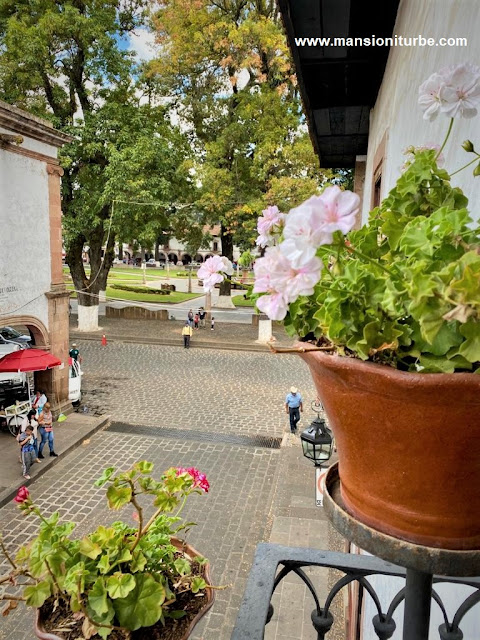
x=74, y=381
x=13, y=386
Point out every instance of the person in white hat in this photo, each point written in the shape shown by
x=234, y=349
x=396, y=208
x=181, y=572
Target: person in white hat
x=74, y=353
x=293, y=406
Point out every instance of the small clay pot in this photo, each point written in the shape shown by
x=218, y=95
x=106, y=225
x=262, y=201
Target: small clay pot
x=408, y=447
x=181, y=546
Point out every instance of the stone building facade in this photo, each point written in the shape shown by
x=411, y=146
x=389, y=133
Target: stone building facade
x=32, y=291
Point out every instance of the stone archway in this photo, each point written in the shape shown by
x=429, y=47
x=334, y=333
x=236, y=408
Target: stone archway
x=186, y=258
x=173, y=257
x=198, y=258
x=38, y=330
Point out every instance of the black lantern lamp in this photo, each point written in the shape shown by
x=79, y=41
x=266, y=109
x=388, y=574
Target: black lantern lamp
x=317, y=442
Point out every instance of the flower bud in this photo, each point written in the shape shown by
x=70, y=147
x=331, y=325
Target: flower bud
x=476, y=171
x=468, y=146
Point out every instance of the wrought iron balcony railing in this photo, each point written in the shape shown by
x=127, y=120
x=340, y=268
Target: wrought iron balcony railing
x=272, y=563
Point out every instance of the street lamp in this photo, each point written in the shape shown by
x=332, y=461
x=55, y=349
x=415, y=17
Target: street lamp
x=317, y=442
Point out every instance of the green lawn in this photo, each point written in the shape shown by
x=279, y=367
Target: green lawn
x=173, y=297
x=239, y=301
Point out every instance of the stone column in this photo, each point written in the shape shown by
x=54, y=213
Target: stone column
x=55, y=381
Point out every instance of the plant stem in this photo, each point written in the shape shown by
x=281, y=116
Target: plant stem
x=446, y=138
x=57, y=587
x=464, y=166
x=6, y=554
x=368, y=259
x=140, y=518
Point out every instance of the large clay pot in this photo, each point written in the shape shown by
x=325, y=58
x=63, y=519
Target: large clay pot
x=210, y=593
x=408, y=447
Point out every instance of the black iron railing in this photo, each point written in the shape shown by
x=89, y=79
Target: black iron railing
x=272, y=563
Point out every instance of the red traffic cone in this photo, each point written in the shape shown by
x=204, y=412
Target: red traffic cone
x=104, y=341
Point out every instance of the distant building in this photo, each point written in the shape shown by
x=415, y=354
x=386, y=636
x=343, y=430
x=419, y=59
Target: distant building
x=32, y=291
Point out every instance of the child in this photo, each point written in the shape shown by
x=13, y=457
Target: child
x=45, y=423
x=27, y=450
x=196, y=320
x=187, y=334
x=213, y=324
x=30, y=420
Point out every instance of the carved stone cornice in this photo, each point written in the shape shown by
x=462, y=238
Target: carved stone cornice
x=54, y=169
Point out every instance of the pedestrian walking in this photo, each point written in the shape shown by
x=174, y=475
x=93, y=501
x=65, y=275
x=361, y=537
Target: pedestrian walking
x=196, y=320
x=27, y=450
x=39, y=401
x=45, y=424
x=293, y=406
x=30, y=420
x=212, y=324
x=190, y=317
x=187, y=334
x=202, y=313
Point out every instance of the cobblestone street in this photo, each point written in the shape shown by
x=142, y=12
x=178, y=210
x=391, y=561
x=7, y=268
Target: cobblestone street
x=193, y=393
x=199, y=389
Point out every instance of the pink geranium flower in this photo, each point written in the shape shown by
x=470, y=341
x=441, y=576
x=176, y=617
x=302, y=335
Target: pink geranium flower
x=462, y=95
x=22, y=495
x=199, y=478
x=212, y=270
x=430, y=94
x=269, y=226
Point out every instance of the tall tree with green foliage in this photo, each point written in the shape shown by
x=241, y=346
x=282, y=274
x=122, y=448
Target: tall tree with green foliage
x=65, y=61
x=226, y=66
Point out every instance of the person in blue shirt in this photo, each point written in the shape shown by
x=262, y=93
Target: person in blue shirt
x=293, y=406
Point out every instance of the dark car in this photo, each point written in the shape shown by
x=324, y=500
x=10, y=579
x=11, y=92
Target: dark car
x=9, y=335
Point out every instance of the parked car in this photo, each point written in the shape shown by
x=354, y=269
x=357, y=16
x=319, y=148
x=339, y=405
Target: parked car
x=13, y=386
x=8, y=335
x=151, y=263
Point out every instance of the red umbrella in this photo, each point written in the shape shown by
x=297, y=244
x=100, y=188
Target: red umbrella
x=28, y=360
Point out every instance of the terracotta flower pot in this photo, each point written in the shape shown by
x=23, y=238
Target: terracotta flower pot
x=408, y=447
x=210, y=593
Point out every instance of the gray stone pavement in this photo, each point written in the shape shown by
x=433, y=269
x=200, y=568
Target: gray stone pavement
x=216, y=391
x=225, y=336
x=68, y=435
x=258, y=494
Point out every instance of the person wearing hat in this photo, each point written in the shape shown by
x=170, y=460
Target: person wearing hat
x=74, y=353
x=293, y=406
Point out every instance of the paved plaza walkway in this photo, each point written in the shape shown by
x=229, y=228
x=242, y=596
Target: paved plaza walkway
x=221, y=411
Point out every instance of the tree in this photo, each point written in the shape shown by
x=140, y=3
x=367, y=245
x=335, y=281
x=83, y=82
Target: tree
x=64, y=61
x=233, y=85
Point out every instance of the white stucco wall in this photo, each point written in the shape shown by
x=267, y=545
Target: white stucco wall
x=397, y=110
x=25, y=269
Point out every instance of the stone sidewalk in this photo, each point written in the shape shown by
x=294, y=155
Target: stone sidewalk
x=233, y=336
x=70, y=434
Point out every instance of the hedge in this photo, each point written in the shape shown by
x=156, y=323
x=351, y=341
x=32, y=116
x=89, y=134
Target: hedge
x=133, y=289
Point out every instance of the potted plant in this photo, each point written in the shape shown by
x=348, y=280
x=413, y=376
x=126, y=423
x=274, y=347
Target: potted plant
x=245, y=261
x=389, y=322
x=120, y=581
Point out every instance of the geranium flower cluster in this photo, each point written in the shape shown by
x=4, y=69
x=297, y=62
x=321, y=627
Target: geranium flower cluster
x=292, y=268
x=270, y=226
x=213, y=271
x=199, y=478
x=454, y=90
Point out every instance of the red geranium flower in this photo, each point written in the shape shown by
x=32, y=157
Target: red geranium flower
x=22, y=495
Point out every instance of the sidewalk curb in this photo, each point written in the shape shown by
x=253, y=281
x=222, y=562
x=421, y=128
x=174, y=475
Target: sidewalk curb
x=10, y=492
x=226, y=346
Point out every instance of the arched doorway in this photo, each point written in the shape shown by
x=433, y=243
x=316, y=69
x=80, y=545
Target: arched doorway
x=198, y=258
x=186, y=259
x=173, y=258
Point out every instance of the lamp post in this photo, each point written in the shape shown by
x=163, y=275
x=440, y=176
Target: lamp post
x=317, y=445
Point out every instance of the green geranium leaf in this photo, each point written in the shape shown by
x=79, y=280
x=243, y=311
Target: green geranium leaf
x=97, y=597
x=470, y=349
x=105, y=477
x=89, y=548
x=143, y=467
x=138, y=562
x=125, y=555
x=118, y=497
x=198, y=584
x=176, y=615
x=37, y=594
x=182, y=566
x=120, y=584
x=103, y=564
x=143, y=605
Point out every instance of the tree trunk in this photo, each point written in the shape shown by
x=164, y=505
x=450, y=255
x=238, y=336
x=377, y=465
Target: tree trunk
x=227, y=251
x=88, y=289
